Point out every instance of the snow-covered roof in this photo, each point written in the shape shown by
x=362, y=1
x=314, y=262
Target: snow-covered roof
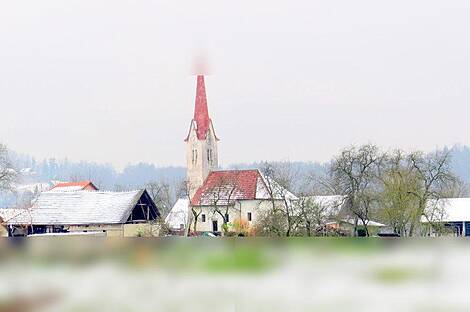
x=267, y=186
x=33, y=187
x=222, y=187
x=448, y=210
x=329, y=205
x=359, y=222
x=80, y=207
x=179, y=214
x=74, y=186
x=69, y=234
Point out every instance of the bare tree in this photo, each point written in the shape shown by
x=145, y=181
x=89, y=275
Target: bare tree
x=8, y=174
x=315, y=213
x=311, y=214
x=271, y=223
x=278, y=179
x=160, y=192
x=355, y=171
x=436, y=181
x=221, y=196
x=184, y=191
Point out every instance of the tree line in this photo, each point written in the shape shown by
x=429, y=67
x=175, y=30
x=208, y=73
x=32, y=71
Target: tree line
x=394, y=187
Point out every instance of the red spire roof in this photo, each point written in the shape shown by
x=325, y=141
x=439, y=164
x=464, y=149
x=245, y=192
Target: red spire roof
x=201, y=112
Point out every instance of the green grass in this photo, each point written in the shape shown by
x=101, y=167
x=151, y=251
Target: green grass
x=396, y=275
x=241, y=259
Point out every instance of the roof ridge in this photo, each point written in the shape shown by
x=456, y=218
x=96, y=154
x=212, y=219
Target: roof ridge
x=229, y=170
x=93, y=191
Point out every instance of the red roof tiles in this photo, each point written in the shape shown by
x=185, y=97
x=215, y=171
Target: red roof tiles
x=80, y=184
x=220, y=187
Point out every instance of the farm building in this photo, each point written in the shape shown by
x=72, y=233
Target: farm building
x=448, y=215
x=74, y=186
x=114, y=213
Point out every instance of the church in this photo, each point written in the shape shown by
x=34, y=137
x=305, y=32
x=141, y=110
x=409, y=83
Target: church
x=219, y=201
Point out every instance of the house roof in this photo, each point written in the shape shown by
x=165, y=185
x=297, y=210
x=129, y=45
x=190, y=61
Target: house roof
x=331, y=204
x=80, y=207
x=448, y=210
x=224, y=187
x=178, y=214
x=73, y=186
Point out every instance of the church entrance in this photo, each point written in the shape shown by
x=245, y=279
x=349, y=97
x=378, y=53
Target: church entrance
x=215, y=227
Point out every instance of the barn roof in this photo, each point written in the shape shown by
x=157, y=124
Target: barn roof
x=73, y=186
x=80, y=207
x=447, y=210
x=223, y=187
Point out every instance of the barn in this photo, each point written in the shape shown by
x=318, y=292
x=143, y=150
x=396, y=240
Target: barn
x=114, y=213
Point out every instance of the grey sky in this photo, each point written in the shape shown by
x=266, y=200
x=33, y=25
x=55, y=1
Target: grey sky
x=109, y=81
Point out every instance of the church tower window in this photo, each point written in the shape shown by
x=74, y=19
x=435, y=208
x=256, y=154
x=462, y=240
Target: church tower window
x=194, y=156
x=209, y=156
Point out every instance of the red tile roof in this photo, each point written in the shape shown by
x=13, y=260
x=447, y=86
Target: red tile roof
x=79, y=184
x=225, y=186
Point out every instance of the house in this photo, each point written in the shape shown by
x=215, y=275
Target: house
x=236, y=195
x=114, y=213
x=332, y=212
x=177, y=219
x=449, y=216
x=74, y=186
x=347, y=226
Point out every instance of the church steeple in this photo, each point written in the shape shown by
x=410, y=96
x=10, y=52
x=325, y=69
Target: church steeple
x=201, y=152
x=201, y=112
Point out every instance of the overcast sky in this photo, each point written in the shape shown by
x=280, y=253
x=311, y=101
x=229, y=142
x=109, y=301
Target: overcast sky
x=110, y=81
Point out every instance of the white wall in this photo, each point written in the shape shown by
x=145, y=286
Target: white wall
x=239, y=210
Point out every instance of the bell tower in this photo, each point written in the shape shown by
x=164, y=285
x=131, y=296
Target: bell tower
x=201, y=142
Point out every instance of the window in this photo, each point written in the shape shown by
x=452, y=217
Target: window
x=194, y=156
x=227, y=218
x=203, y=218
x=249, y=216
x=209, y=156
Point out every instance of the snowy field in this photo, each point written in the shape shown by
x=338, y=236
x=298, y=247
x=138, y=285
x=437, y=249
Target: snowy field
x=235, y=275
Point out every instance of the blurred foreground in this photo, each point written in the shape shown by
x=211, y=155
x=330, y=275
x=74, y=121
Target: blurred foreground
x=77, y=274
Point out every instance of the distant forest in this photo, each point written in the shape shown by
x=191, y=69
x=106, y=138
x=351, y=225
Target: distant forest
x=106, y=177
